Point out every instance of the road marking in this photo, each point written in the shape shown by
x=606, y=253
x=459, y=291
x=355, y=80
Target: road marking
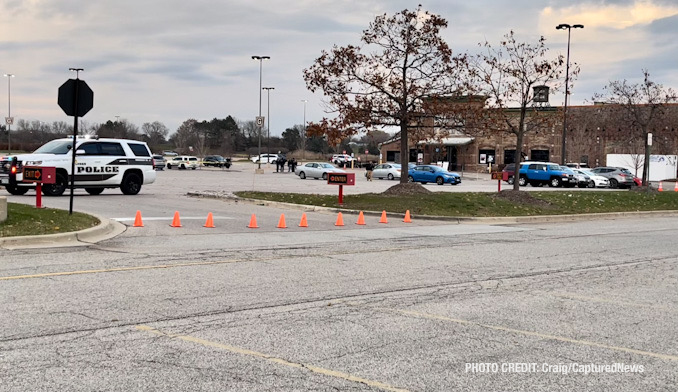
x=276, y=360
x=97, y=271
x=523, y=332
x=607, y=301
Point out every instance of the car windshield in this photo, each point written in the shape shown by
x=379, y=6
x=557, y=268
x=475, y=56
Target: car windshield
x=55, y=147
x=396, y=165
x=588, y=173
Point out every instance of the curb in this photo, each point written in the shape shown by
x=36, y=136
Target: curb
x=107, y=228
x=500, y=220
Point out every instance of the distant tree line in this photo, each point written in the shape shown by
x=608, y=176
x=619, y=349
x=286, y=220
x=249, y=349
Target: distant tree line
x=226, y=136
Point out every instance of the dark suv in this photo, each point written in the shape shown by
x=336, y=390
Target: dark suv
x=216, y=161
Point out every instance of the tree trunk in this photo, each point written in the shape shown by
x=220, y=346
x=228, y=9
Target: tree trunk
x=404, y=154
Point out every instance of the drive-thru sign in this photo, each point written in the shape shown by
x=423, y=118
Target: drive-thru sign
x=341, y=179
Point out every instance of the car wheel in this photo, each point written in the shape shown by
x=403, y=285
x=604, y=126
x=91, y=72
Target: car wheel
x=510, y=180
x=182, y=167
x=591, y=184
x=131, y=184
x=614, y=184
x=193, y=168
x=169, y=167
x=522, y=181
x=324, y=176
x=410, y=179
x=16, y=190
x=555, y=182
x=56, y=189
x=390, y=176
x=94, y=191
x=440, y=181
x=302, y=175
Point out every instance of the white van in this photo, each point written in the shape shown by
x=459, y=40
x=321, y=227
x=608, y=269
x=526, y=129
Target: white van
x=183, y=162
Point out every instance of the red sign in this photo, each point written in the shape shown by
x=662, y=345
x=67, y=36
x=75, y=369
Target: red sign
x=341, y=178
x=500, y=176
x=44, y=175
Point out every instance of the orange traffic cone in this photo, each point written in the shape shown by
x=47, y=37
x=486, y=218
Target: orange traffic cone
x=361, y=219
x=253, y=222
x=407, y=217
x=281, y=222
x=660, y=189
x=383, y=217
x=137, y=220
x=675, y=188
x=176, y=222
x=210, y=220
x=303, y=222
x=340, y=220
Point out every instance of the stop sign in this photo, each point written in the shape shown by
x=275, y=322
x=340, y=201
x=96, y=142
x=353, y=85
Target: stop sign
x=67, y=94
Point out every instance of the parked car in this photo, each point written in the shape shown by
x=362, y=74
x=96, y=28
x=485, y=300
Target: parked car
x=432, y=173
x=540, y=173
x=511, y=167
x=390, y=171
x=582, y=180
x=183, y=162
x=159, y=162
x=619, y=177
x=595, y=181
x=216, y=161
x=265, y=158
x=338, y=159
x=170, y=154
x=316, y=170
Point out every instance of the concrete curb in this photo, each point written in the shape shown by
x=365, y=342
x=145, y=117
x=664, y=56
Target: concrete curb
x=499, y=220
x=106, y=229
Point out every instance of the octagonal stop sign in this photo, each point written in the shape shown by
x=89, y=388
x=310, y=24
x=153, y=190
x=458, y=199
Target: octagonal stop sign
x=67, y=96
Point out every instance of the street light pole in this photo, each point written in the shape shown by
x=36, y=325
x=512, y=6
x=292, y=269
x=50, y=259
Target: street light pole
x=303, y=136
x=261, y=61
x=569, y=28
x=9, y=119
x=268, y=114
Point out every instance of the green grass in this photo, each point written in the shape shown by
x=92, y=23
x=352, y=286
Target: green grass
x=24, y=219
x=488, y=204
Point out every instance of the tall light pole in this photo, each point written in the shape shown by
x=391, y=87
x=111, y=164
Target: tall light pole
x=569, y=28
x=261, y=61
x=9, y=120
x=303, y=135
x=268, y=114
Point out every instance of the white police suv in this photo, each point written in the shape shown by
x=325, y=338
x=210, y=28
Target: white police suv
x=99, y=164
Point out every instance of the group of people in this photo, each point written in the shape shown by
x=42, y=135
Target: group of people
x=280, y=164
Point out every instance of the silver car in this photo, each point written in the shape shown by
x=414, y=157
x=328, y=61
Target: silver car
x=316, y=170
x=390, y=171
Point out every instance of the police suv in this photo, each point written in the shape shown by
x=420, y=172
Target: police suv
x=99, y=164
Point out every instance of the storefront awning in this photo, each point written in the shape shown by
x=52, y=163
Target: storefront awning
x=448, y=141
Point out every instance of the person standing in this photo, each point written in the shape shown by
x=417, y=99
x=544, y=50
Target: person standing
x=369, y=166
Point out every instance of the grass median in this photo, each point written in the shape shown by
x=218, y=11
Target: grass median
x=23, y=219
x=479, y=204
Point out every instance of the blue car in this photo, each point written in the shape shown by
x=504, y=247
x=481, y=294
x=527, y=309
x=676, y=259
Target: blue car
x=432, y=173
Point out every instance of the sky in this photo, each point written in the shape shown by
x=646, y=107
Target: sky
x=171, y=60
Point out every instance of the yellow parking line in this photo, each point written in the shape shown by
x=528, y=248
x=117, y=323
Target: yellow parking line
x=279, y=361
x=527, y=333
x=96, y=271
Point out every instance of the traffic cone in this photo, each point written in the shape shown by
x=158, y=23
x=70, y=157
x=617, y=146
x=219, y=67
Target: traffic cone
x=210, y=221
x=675, y=188
x=137, y=220
x=303, y=222
x=253, y=222
x=281, y=222
x=340, y=220
x=660, y=189
x=361, y=219
x=176, y=222
x=407, y=217
x=383, y=217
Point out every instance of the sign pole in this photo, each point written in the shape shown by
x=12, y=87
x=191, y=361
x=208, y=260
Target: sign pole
x=38, y=195
x=75, y=134
x=341, y=195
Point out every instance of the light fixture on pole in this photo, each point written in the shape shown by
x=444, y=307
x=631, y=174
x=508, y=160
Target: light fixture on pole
x=9, y=120
x=268, y=114
x=303, y=135
x=569, y=28
x=259, y=120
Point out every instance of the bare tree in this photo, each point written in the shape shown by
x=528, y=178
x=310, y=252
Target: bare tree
x=403, y=62
x=640, y=104
x=507, y=75
x=155, y=133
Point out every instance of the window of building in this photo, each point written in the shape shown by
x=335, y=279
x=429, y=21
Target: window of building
x=539, y=155
x=509, y=156
x=486, y=156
